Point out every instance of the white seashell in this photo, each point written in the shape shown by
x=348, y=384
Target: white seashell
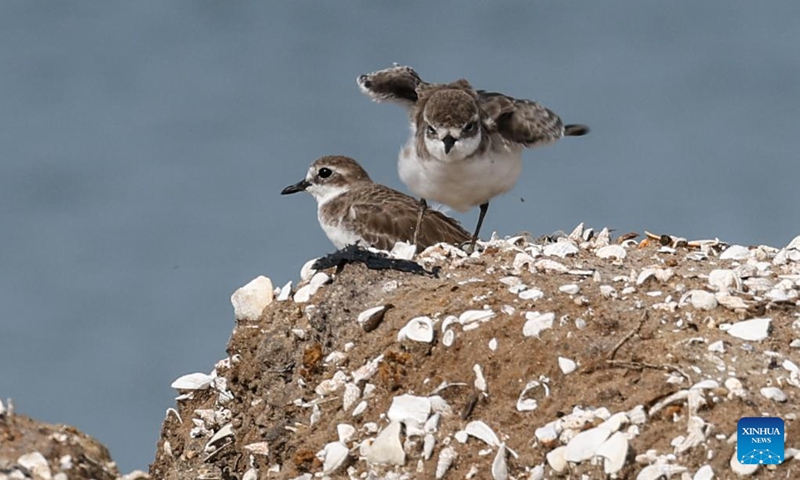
x=446, y=458
x=403, y=251
x=308, y=271
x=774, y=393
x=448, y=338
x=440, y=405
x=660, y=274
x=731, y=302
x=614, y=451
x=193, y=381
x=285, y=292
x=345, y=432
x=350, y=396
x=419, y=329
x=387, y=449
x=250, y=300
x=335, y=455
x=608, y=291
x=511, y=281
x=570, y=289
x=718, y=347
x=704, y=473
x=522, y=260
x=551, y=266
x=370, y=318
x=366, y=371
x=427, y=446
x=480, y=380
x=316, y=414
x=753, y=330
x=493, y=344
x=471, y=316
x=723, y=280
x=250, y=474
x=258, y=448
x=499, y=465
x=360, y=408
x=335, y=358
x=531, y=294
x=303, y=294
x=659, y=471
x=741, y=469
x=549, y=432
x=327, y=387
x=36, y=464
x=566, y=365
x=409, y=409
x=537, y=322
x=537, y=473
x=611, y=251
x=707, y=384
x=219, y=437
x=432, y=424
x=560, y=249
x=555, y=458
x=319, y=279
x=700, y=299
x=461, y=436
x=481, y=431
x=584, y=445
x=735, y=252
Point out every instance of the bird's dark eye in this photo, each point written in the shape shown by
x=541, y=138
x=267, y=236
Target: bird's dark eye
x=325, y=172
x=431, y=130
x=469, y=127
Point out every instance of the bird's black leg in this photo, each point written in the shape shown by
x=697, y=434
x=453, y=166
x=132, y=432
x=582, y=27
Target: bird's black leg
x=423, y=205
x=484, y=207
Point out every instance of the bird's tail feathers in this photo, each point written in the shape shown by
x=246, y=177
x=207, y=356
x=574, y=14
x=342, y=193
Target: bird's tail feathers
x=575, y=130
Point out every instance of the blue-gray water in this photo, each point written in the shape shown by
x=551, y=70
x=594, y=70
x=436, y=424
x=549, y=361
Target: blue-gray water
x=144, y=145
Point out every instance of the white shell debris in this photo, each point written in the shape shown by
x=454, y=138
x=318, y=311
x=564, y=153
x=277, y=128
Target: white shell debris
x=611, y=251
x=774, y=393
x=335, y=455
x=36, y=464
x=566, y=365
x=537, y=322
x=704, y=473
x=419, y=329
x=387, y=449
x=569, y=289
x=250, y=300
x=480, y=380
x=370, y=318
x=258, y=448
x=753, y=330
x=584, y=445
x=219, y=438
x=285, y=292
x=345, y=431
x=193, y=381
x=531, y=294
x=448, y=338
x=560, y=249
x=724, y=280
x=350, y=396
x=305, y=292
x=740, y=468
x=555, y=458
x=446, y=458
x=471, y=316
x=614, y=450
x=735, y=252
x=702, y=300
x=499, y=465
x=481, y=431
x=410, y=409
x=403, y=250
x=493, y=344
x=527, y=404
x=660, y=274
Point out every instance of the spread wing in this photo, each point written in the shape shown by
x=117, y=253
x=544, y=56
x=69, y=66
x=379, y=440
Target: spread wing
x=397, y=84
x=387, y=216
x=524, y=121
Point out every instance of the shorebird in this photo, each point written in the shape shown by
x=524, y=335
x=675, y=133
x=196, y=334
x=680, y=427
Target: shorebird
x=354, y=210
x=466, y=145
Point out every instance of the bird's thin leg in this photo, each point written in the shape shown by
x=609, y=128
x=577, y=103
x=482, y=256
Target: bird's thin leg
x=423, y=205
x=484, y=207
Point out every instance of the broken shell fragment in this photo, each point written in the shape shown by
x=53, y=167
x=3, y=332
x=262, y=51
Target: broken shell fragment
x=335, y=455
x=409, y=409
x=419, y=329
x=387, y=449
x=446, y=458
x=193, y=381
x=537, y=322
x=481, y=431
x=611, y=251
x=752, y=330
x=471, y=316
x=370, y=318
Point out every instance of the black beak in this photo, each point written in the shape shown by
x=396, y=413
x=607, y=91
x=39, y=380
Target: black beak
x=448, y=141
x=297, y=187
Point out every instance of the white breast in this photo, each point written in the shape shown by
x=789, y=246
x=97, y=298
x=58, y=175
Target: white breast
x=337, y=234
x=464, y=184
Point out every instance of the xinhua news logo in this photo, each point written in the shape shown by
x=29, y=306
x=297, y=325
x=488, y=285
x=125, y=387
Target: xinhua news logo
x=759, y=440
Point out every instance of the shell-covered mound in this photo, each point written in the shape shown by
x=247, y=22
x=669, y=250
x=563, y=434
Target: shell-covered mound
x=30, y=449
x=582, y=355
